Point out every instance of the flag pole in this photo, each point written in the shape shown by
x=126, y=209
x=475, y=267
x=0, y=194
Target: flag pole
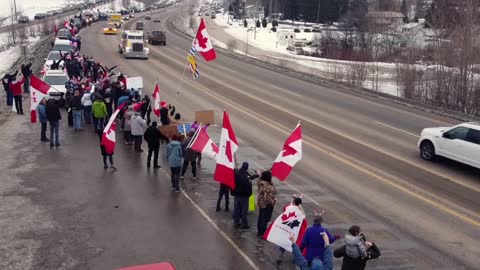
x=194, y=138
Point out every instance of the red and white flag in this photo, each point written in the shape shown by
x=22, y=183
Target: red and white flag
x=203, y=144
x=224, y=171
x=39, y=89
x=289, y=156
x=108, y=136
x=291, y=221
x=156, y=100
x=203, y=44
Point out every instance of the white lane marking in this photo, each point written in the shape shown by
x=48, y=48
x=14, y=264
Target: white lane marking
x=397, y=129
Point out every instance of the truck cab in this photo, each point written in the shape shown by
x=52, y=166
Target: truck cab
x=132, y=45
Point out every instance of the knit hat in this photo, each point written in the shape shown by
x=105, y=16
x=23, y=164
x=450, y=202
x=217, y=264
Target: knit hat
x=163, y=104
x=266, y=176
x=245, y=165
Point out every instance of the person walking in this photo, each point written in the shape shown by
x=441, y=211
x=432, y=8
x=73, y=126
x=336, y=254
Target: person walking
x=223, y=192
x=16, y=88
x=153, y=136
x=313, y=241
x=26, y=72
x=241, y=193
x=6, y=80
x=164, y=118
x=54, y=117
x=75, y=104
x=42, y=115
x=127, y=119
x=267, y=197
x=146, y=109
x=174, y=157
x=105, y=156
x=87, y=107
x=107, y=98
x=190, y=156
x=358, y=263
x=138, y=129
x=99, y=113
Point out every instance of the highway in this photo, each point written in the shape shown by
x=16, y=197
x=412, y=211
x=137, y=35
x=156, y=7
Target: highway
x=360, y=164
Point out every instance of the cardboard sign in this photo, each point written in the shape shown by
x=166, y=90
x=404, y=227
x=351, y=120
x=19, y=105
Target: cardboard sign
x=205, y=117
x=135, y=83
x=169, y=130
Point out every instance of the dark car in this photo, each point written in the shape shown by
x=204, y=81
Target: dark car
x=139, y=25
x=40, y=16
x=156, y=19
x=64, y=34
x=157, y=37
x=148, y=18
x=23, y=19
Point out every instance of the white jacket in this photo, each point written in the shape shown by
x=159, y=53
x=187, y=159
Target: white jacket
x=86, y=99
x=138, y=125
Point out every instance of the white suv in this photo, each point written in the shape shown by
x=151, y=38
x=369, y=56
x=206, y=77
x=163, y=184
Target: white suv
x=460, y=143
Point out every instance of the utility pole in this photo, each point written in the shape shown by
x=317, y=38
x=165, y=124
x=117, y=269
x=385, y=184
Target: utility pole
x=13, y=28
x=15, y=7
x=270, y=11
x=318, y=12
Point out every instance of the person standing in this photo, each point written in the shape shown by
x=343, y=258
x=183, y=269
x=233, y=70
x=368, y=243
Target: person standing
x=138, y=129
x=16, y=88
x=190, y=156
x=164, y=118
x=267, y=197
x=27, y=72
x=359, y=263
x=224, y=191
x=6, y=80
x=87, y=107
x=313, y=241
x=54, y=117
x=99, y=113
x=241, y=193
x=153, y=136
x=174, y=157
x=107, y=98
x=146, y=109
x=127, y=119
x=42, y=115
x=75, y=104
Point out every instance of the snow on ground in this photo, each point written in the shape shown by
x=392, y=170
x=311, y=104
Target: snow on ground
x=31, y=7
x=10, y=55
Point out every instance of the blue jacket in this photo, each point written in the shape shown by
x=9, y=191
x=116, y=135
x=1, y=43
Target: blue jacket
x=317, y=264
x=313, y=241
x=42, y=113
x=174, y=154
x=122, y=99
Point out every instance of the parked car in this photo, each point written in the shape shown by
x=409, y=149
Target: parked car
x=56, y=79
x=62, y=45
x=460, y=143
x=213, y=16
x=53, y=56
x=40, y=16
x=23, y=19
x=64, y=34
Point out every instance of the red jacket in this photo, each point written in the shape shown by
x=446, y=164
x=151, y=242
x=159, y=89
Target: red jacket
x=16, y=87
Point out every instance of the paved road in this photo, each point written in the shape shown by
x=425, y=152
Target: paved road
x=360, y=164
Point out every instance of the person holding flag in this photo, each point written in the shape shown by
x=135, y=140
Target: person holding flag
x=42, y=115
x=242, y=193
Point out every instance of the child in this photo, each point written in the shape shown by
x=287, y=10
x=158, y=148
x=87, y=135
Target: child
x=355, y=244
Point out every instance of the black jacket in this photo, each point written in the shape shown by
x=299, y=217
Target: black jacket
x=76, y=102
x=188, y=153
x=27, y=70
x=7, y=79
x=164, y=116
x=243, y=186
x=53, y=109
x=357, y=263
x=153, y=136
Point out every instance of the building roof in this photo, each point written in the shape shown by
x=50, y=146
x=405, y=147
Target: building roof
x=385, y=14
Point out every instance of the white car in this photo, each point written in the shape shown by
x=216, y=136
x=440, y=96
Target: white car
x=460, y=143
x=56, y=79
x=62, y=45
x=53, y=56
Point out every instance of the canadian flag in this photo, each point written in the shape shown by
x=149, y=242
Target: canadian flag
x=225, y=159
x=156, y=100
x=289, y=156
x=203, y=44
x=108, y=136
x=291, y=221
x=203, y=144
x=39, y=90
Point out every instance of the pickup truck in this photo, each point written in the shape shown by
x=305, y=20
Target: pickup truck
x=157, y=37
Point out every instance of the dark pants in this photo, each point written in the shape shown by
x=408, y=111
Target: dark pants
x=54, y=130
x=18, y=104
x=9, y=97
x=175, y=177
x=240, y=210
x=153, y=150
x=70, y=118
x=43, y=132
x=264, y=216
x=110, y=158
x=87, y=113
x=137, y=141
x=185, y=166
x=26, y=85
x=224, y=191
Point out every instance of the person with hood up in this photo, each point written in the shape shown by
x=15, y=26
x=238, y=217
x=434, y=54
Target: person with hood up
x=153, y=136
x=99, y=113
x=313, y=241
x=16, y=87
x=190, y=156
x=358, y=263
x=27, y=72
x=241, y=193
x=42, y=115
x=318, y=263
x=54, y=117
x=266, y=200
x=174, y=157
x=138, y=129
x=87, y=107
x=6, y=80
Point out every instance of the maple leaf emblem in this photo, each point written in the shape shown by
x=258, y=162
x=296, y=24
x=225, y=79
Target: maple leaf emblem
x=202, y=41
x=286, y=217
x=228, y=151
x=214, y=147
x=289, y=151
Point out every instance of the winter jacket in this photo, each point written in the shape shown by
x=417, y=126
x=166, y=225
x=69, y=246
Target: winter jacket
x=138, y=125
x=122, y=99
x=325, y=263
x=7, y=79
x=164, y=116
x=26, y=70
x=313, y=241
x=355, y=246
x=189, y=154
x=153, y=136
x=243, y=186
x=174, y=154
x=349, y=263
x=75, y=102
x=53, y=109
x=86, y=99
x=99, y=109
x=16, y=87
x=266, y=194
x=128, y=119
x=42, y=113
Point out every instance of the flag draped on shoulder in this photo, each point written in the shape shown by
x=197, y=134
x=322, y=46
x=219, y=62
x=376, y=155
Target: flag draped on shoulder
x=291, y=221
x=203, y=144
x=224, y=171
x=156, y=100
x=203, y=44
x=108, y=136
x=39, y=89
x=289, y=156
